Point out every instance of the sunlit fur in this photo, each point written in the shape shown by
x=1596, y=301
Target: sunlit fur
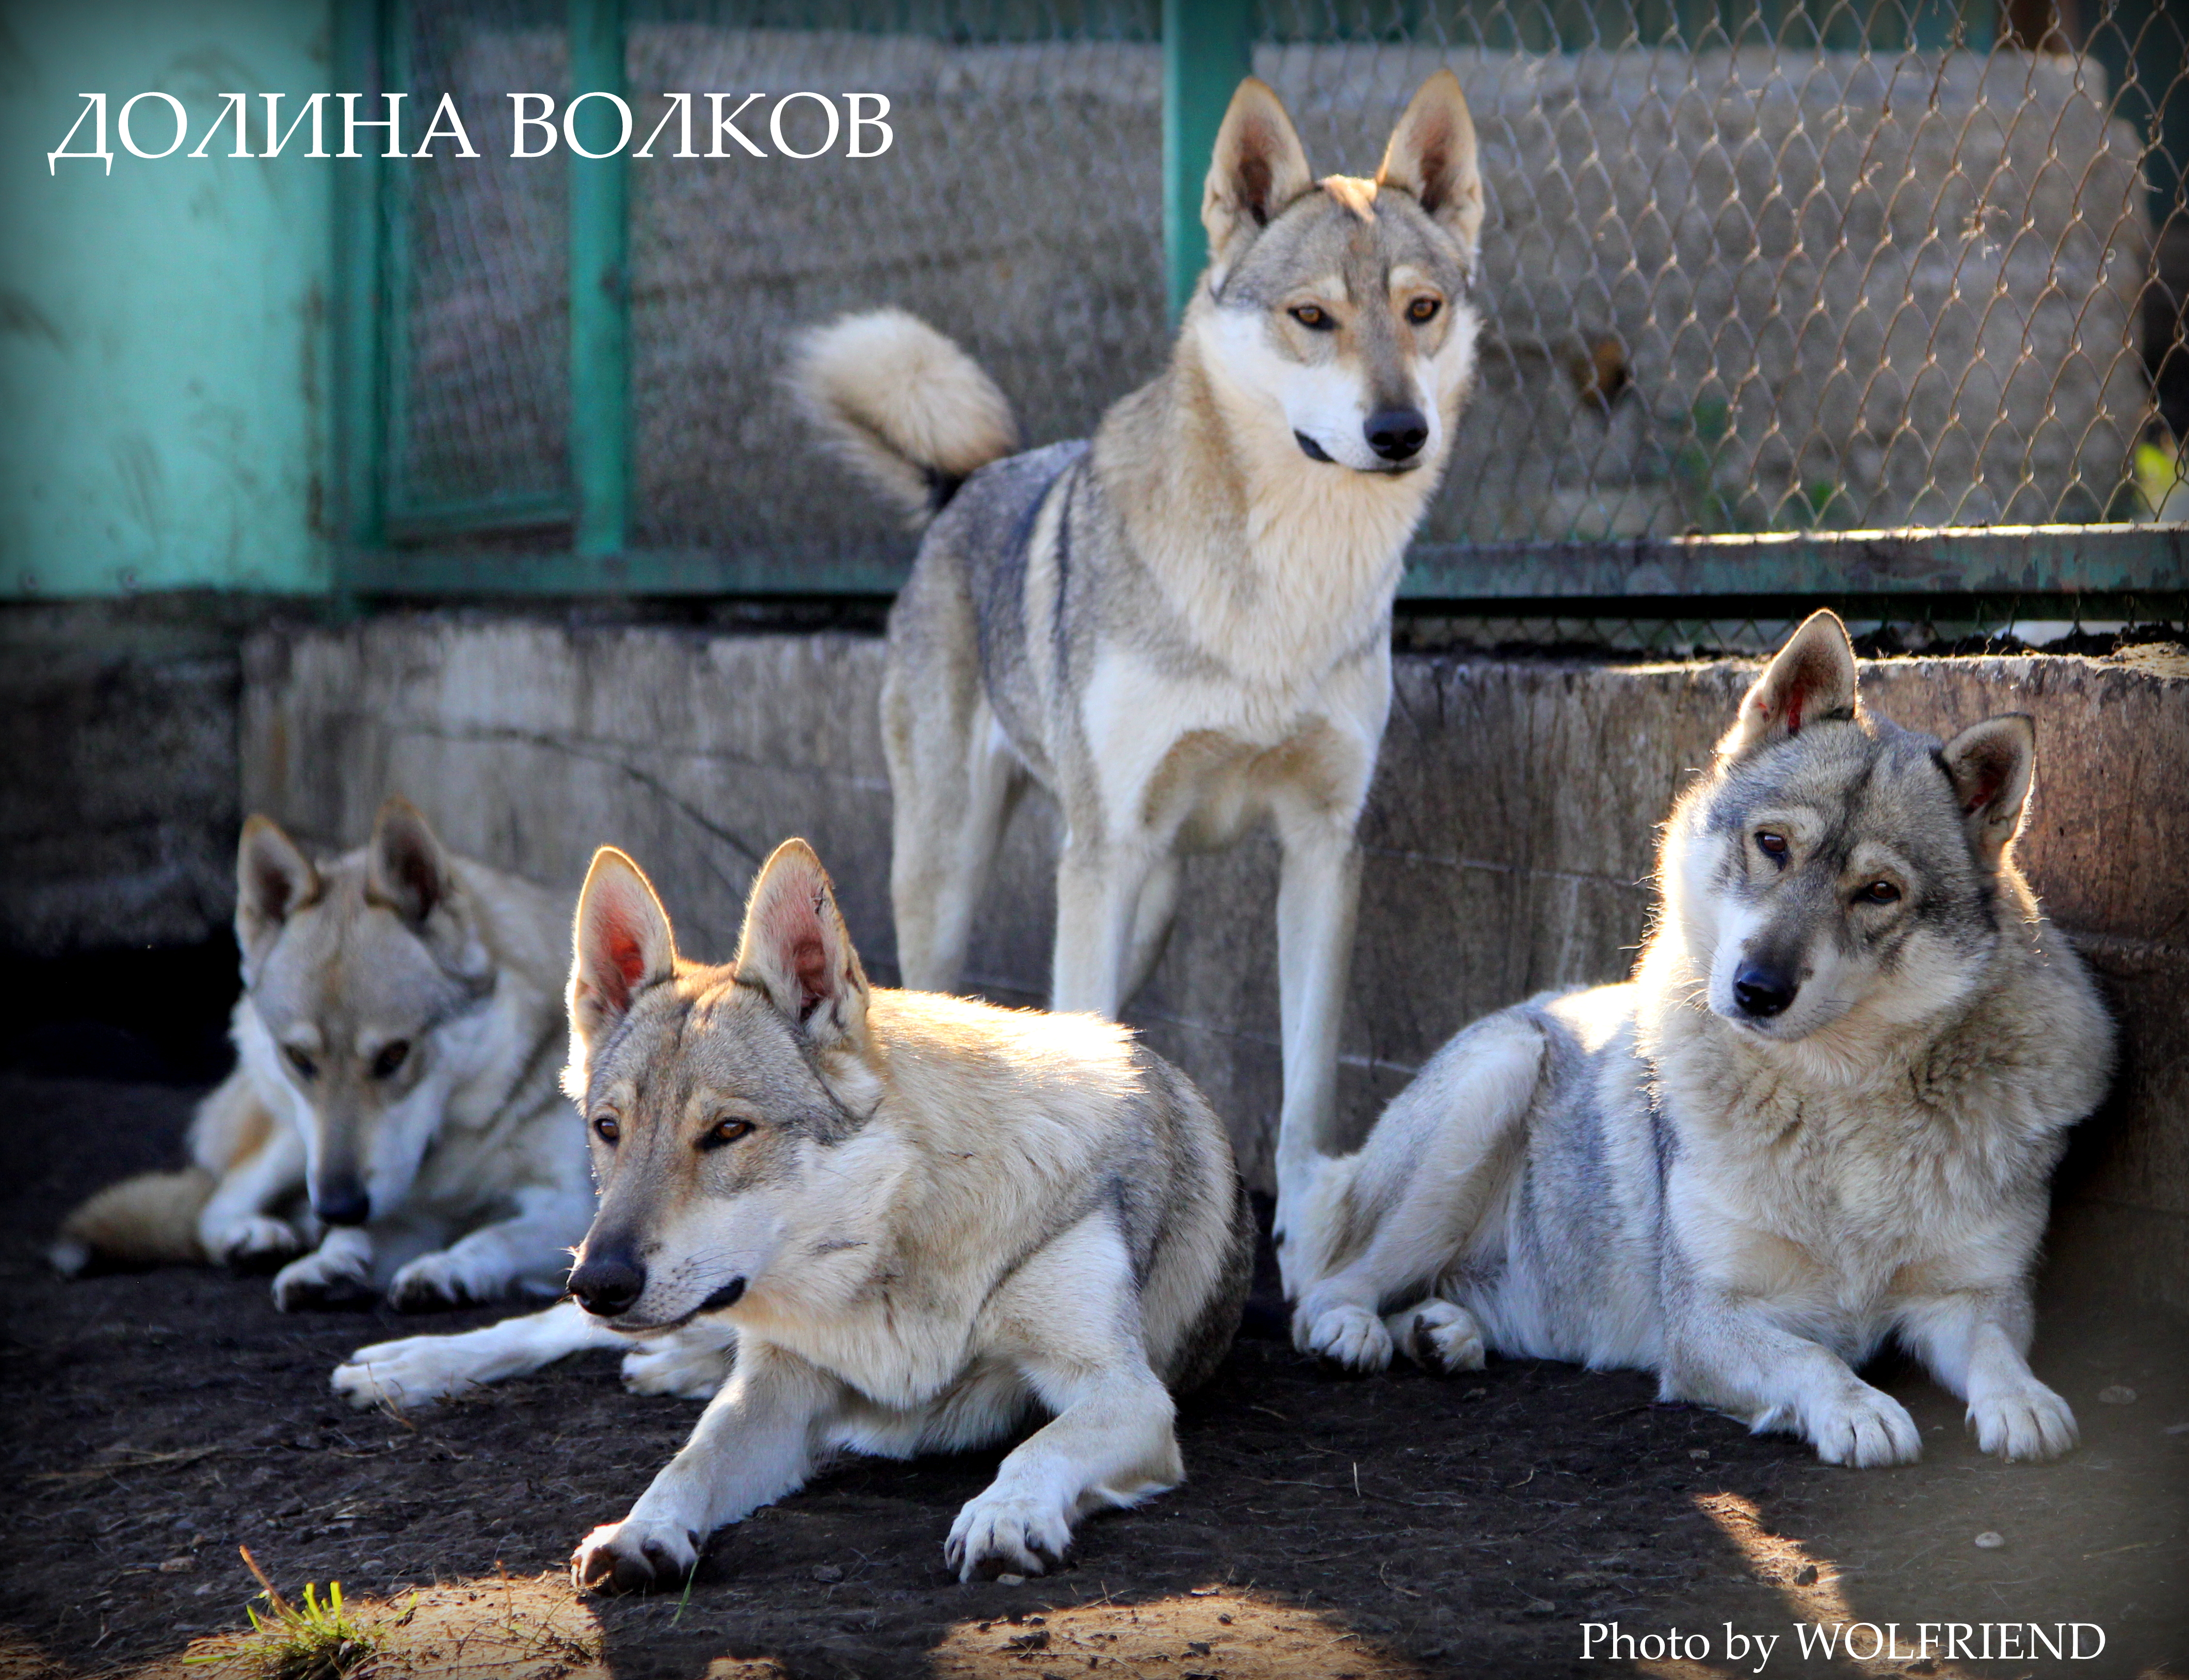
x=474, y=1173
x=935, y=1221
x=1751, y=1204
x=1181, y=630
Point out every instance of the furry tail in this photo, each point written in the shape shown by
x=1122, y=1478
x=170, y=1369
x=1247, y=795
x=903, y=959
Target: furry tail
x=149, y=1220
x=906, y=407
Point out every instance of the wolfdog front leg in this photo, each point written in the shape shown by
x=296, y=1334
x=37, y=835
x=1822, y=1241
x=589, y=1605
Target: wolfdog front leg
x=1724, y=1350
x=418, y=1369
x=1072, y=1310
x=1318, y=895
x=753, y=1444
x=1976, y=1343
x=487, y=1265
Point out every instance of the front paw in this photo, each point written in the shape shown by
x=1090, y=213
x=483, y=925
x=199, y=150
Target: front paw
x=1439, y=1336
x=259, y=1244
x=1007, y=1534
x=435, y=1282
x=2028, y=1422
x=323, y=1280
x=1350, y=1337
x=634, y=1556
x=1865, y=1427
x=677, y=1366
x=412, y=1371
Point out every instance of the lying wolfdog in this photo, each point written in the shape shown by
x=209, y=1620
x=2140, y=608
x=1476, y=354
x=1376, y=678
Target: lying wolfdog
x=1182, y=629
x=919, y=1219
x=393, y=1123
x=1823, y=1113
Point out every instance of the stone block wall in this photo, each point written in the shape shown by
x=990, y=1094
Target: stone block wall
x=1509, y=836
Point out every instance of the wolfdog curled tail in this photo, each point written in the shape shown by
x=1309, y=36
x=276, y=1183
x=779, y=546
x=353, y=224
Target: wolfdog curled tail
x=1823, y=1113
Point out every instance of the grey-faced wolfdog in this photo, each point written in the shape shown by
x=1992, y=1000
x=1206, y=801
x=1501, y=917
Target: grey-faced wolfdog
x=917, y=1219
x=1823, y=1112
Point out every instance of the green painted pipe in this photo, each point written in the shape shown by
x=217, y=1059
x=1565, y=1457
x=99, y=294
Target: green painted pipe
x=1208, y=45
x=600, y=292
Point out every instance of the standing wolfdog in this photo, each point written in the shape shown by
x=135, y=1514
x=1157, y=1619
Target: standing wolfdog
x=1182, y=628
x=918, y=1219
x=1823, y=1112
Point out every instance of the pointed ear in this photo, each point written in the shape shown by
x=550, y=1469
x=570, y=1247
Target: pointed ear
x=620, y=943
x=1812, y=678
x=1431, y=156
x=1992, y=765
x=1259, y=168
x=407, y=866
x=274, y=880
x=796, y=949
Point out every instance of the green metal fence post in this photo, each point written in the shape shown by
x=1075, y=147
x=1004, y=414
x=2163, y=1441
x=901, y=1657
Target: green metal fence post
x=600, y=295
x=360, y=422
x=1208, y=45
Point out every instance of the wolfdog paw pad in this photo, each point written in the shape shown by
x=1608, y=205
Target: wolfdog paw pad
x=2032, y=1423
x=309, y=1283
x=1006, y=1535
x=1866, y=1428
x=259, y=1244
x=1348, y=1336
x=1439, y=1337
x=633, y=1556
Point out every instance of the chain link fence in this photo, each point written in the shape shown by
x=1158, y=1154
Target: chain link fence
x=1750, y=266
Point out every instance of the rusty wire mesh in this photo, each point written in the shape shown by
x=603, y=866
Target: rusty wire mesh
x=1747, y=267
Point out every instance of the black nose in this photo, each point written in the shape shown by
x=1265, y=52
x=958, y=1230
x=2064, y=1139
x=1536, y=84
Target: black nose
x=342, y=1204
x=1762, y=993
x=1397, y=434
x=607, y=1284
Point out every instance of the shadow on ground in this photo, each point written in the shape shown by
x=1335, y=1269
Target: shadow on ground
x=1397, y=1527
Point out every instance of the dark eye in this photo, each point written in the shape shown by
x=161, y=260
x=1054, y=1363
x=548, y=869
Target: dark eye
x=1772, y=845
x=1313, y=318
x=305, y=1066
x=1423, y=309
x=1878, y=893
x=391, y=1057
x=607, y=1127
x=727, y=1131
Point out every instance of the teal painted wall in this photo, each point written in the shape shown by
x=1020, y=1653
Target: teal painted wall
x=164, y=352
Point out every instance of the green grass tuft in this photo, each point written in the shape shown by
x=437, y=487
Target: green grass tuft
x=319, y=1639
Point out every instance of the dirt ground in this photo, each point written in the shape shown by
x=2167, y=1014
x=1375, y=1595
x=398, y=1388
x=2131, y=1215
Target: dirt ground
x=1394, y=1526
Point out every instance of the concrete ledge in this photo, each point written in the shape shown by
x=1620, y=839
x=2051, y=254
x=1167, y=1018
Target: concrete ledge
x=1509, y=835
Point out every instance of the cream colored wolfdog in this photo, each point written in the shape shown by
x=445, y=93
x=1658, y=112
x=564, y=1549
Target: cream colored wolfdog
x=393, y=1123
x=1822, y=1114
x=919, y=1219
x=1182, y=629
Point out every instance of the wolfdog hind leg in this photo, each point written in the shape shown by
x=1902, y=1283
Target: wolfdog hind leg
x=954, y=780
x=1385, y=1222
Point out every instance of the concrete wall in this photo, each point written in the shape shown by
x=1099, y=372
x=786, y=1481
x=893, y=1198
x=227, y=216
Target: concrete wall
x=163, y=348
x=118, y=799
x=1508, y=834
